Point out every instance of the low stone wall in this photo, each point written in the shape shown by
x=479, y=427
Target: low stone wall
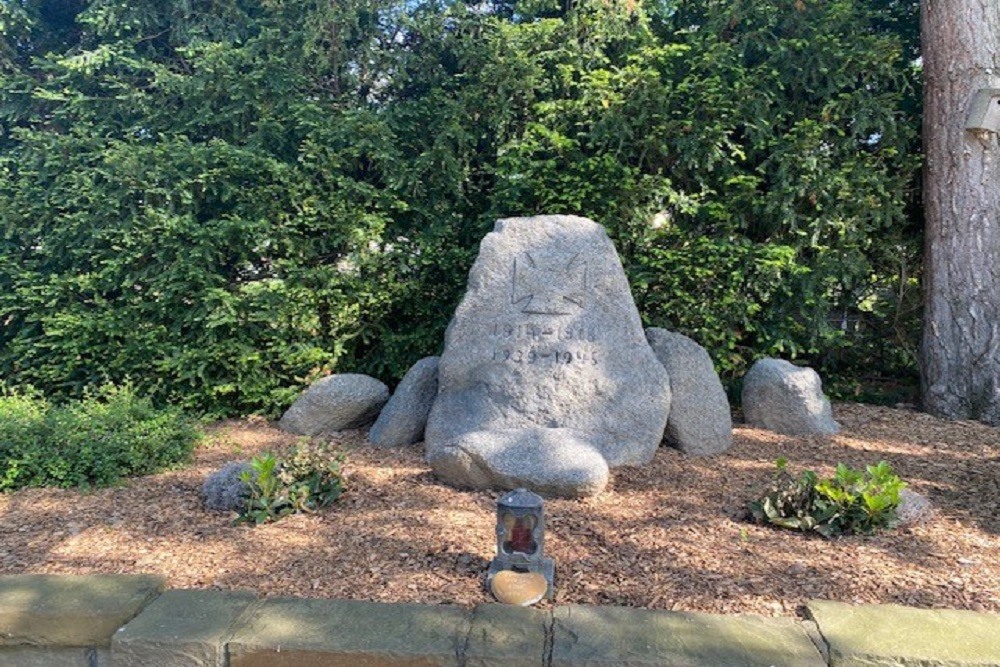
x=131, y=621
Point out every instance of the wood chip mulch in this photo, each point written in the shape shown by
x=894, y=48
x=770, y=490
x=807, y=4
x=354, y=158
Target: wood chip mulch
x=670, y=535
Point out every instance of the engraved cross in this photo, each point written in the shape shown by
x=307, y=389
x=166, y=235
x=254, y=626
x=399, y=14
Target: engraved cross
x=549, y=285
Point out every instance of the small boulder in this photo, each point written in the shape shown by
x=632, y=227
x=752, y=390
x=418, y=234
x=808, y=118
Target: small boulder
x=404, y=417
x=551, y=461
x=700, y=420
x=335, y=403
x=224, y=490
x=787, y=399
x=913, y=508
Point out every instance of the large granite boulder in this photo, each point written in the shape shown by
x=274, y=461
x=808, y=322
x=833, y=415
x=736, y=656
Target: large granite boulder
x=785, y=398
x=546, y=369
x=404, y=417
x=700, y=421
x=335, y=403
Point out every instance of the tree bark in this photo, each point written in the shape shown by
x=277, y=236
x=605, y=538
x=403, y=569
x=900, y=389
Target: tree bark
x=960, y=364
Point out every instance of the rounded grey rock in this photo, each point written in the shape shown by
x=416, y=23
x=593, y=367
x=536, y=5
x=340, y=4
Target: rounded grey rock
x=913, y=509
x=551, y=461
x=700, y=420
x=785, y=398
x=547, y=336
x=224, y=490
x=335, y=403
x=404, y=417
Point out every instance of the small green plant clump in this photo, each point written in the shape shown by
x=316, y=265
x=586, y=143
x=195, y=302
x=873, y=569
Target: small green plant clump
x=307, y=479
x=93, y=442
x=849, y=502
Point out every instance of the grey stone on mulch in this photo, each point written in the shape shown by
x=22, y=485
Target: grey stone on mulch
x=404, y=417
x=700, y=420
x=335, y=403
x=786, y=399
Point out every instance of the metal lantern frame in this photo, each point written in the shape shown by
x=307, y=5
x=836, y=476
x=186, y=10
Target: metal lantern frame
x=517, y=511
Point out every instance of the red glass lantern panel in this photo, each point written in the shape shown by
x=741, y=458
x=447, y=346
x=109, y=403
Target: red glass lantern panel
x=519, y=534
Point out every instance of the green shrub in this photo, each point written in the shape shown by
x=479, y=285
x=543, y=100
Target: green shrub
x=849, y=502
x=309, y=478
x=227, y=205
x=93, y=442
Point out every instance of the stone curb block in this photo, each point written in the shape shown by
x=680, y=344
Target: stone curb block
x=507, y=635
x=590, y=636
x=71, y=610
x=286, y=632
x=877, y=635
x=76, y=621
x=38, y=656
x=181, y=628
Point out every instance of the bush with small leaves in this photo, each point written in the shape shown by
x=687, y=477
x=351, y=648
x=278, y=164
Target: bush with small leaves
x=224, y=490
x=93, y=442
x=849, y=502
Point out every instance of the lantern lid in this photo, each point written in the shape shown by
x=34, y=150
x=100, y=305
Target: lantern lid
x=520, y=499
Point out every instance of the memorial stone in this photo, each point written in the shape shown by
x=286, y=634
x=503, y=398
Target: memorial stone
x=546, y=365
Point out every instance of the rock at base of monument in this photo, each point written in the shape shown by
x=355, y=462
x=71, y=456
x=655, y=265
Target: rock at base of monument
x=402, y=420
x=700, y=421
x=787, y=399
x=335, y=403
x=549, y=461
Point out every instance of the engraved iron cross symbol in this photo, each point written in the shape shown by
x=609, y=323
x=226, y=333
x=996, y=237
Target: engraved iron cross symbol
x=549, y=285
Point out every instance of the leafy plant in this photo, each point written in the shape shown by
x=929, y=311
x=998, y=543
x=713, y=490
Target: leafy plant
x=849, y=502
x=307, y=479
x=93, y=442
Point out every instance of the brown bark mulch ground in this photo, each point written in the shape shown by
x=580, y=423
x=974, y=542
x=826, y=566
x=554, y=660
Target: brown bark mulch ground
x=670, y=535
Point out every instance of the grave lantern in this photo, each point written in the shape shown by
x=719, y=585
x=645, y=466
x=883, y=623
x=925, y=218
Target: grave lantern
x=520, y=531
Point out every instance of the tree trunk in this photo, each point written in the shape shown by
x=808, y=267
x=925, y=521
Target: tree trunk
x=960, y=366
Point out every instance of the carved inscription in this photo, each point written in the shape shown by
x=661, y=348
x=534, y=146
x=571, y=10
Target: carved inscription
x=532, y=343
x=549, y=286
x=534, y=355
x=544, y=332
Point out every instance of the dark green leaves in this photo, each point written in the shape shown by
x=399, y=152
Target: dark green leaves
x=89, y=443
x=851, y=501
x=307, y=479
x=222, y=205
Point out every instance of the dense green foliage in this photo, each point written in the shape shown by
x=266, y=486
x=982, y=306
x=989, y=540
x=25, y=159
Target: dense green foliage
x=89, y=443
x=221, y=201
x=849, y=502
x=306, y=479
